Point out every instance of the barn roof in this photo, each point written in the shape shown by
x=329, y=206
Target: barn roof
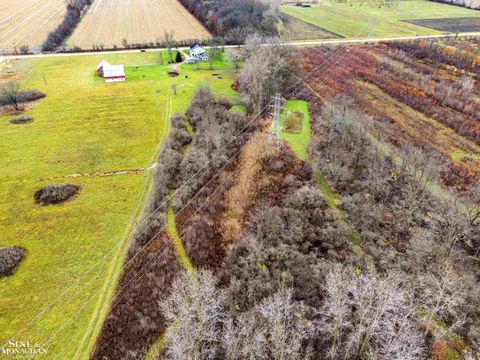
x=103, y=63
x=114, y=70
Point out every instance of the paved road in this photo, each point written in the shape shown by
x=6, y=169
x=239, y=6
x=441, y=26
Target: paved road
x=290, y=43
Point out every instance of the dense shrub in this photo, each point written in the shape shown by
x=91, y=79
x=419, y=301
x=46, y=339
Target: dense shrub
x=54, y=194
x=24, y=50
x=21, y=119
x=149, y=227
x=22, y=97
x=10, y=257
x=458, y=175
x=74, y=12
x=288, y=244
x=219, y=134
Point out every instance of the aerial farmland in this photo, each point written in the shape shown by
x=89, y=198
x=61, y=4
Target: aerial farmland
x=27, y=22
x=117, y=23
x=239, y=179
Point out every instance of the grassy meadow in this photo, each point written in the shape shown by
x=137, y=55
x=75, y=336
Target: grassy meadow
x=357, y=20
x=83, y=130
x=300, y=141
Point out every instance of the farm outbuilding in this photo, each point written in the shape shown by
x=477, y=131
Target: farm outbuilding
x=111, y=73
x=101, y=67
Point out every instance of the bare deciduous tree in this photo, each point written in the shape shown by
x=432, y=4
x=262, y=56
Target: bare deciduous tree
x=474, y=207
x=265, y=73
x=11, y=92
x=443, y=294
x=213, y=52
x=368, y=316
x=275, y=329
x=195, y=311
x=169, y=42
x=422, y=164
x=236, y=58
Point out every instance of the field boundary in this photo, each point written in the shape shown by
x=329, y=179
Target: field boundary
x=305, y=43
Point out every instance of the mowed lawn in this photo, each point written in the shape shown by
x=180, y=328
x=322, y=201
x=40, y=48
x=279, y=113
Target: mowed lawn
x=84, y=126
x=300, y=141
x=360, y=21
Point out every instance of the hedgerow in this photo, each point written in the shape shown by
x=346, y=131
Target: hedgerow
x=74, y=12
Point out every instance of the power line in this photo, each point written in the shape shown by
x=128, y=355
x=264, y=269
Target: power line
x=255, y=117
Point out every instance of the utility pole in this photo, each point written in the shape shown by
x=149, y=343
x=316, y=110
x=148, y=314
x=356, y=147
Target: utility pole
x=275, y=135
x=373, y=26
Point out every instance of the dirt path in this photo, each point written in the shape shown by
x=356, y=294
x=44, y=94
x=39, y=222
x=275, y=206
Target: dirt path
x=138, y=171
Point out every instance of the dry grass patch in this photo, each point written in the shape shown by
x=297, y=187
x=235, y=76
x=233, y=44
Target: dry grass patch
x=241, y=194
x=293, y=122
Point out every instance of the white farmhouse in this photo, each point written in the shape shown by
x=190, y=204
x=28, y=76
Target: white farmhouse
x=198, y=53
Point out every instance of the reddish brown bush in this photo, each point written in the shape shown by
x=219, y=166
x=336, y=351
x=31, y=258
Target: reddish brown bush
x=458, y=175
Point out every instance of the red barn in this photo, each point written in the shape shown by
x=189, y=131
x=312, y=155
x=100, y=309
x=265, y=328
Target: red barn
x=111, y=73
x=101, y=67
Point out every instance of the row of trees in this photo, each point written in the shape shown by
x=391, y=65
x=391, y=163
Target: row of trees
x=459, y=54
x=363, y=315
x=74, y=12
x=450, y=102
x=236, y=19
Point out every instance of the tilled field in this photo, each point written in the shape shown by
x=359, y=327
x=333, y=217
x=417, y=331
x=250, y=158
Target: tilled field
x=28, y=22
x=115, y=23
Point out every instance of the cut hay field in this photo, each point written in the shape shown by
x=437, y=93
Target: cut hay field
x=28, y=22
x=369, y=21
x=83, y=131
x=110, y=23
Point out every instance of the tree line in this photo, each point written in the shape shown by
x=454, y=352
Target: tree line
x=236, y=19
x=73, y=15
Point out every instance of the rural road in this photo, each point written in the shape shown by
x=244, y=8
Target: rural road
x=290, y=43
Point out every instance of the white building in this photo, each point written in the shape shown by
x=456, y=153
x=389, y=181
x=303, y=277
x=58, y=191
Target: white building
x=101, y=66
x=111, y=73
x=198, y=53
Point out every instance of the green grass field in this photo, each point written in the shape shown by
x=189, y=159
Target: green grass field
x=298, y=142
x=84, y=126
x=355, y=21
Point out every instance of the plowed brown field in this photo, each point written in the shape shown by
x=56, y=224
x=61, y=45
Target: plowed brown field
x=109, y=22
x=28, y=22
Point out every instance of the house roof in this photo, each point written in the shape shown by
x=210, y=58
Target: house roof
x=113, y=70
x=197, y=49
x=103, y=63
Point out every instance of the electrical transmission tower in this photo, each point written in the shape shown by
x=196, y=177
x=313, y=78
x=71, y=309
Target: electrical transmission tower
x=275, y=136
